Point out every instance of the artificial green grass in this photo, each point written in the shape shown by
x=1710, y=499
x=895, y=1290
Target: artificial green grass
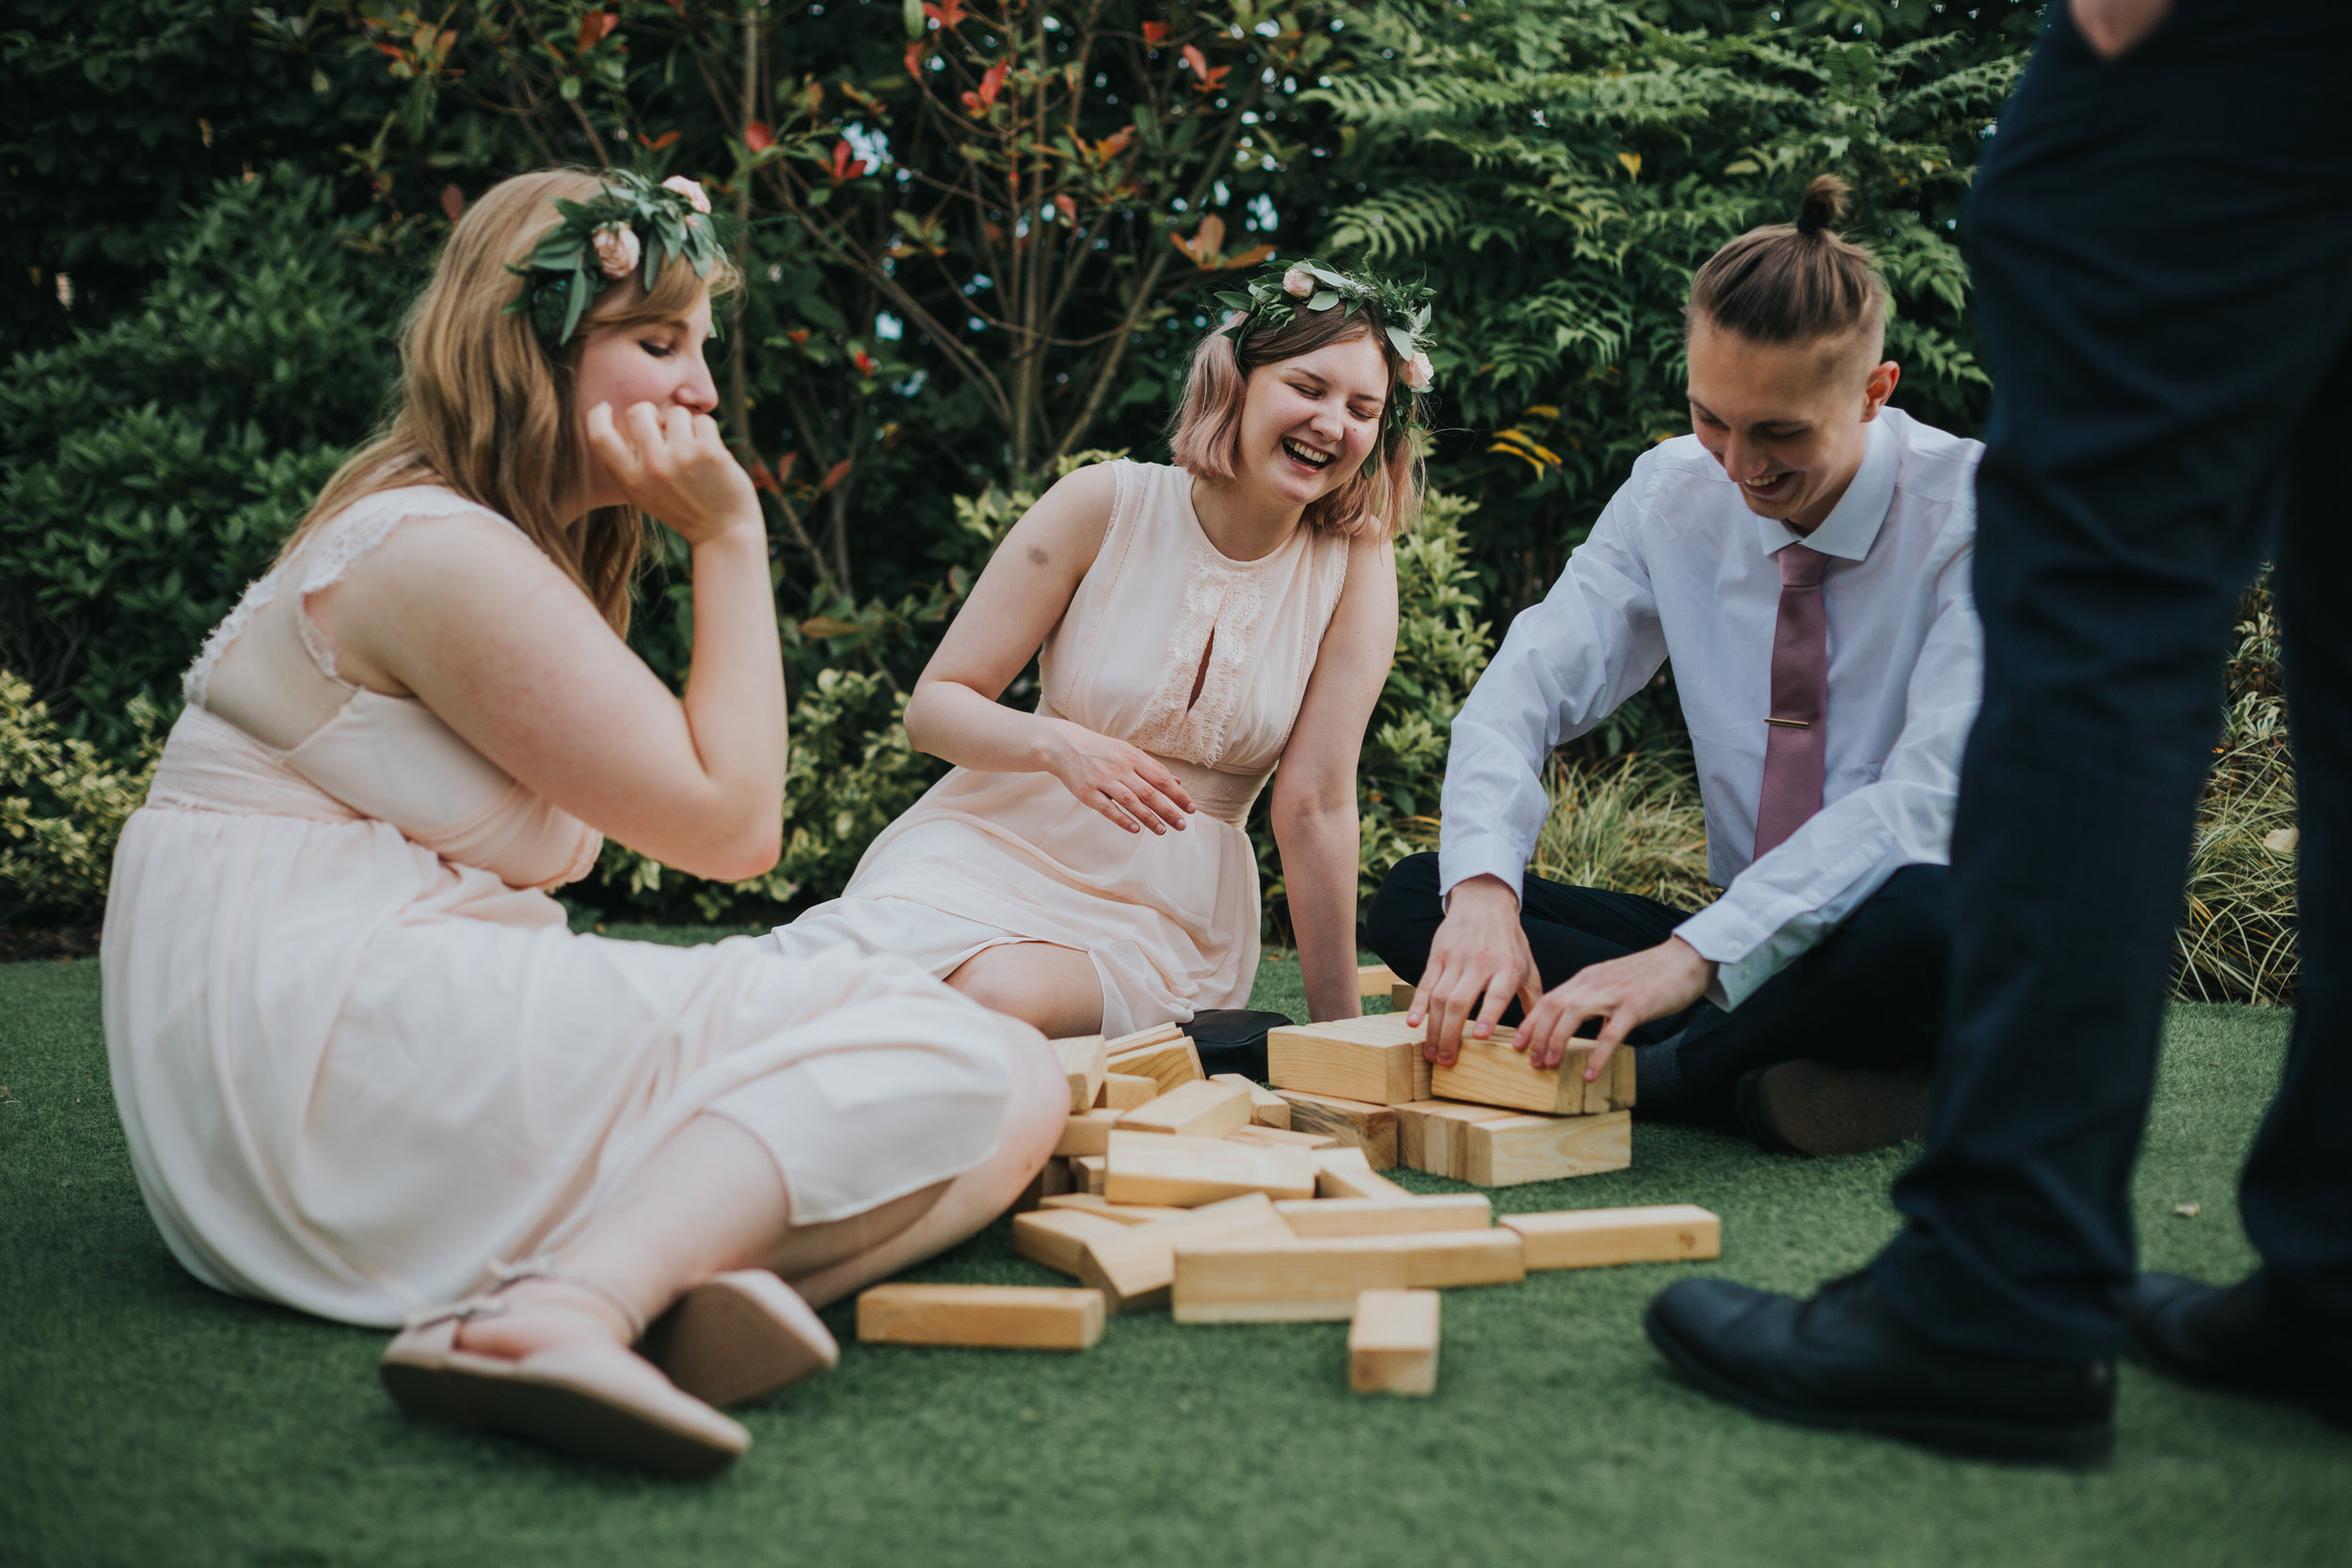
x=144, y=1420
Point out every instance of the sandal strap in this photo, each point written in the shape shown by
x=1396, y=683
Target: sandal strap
x=514, y=1274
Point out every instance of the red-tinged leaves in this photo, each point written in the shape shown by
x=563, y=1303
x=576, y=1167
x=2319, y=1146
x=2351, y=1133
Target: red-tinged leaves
x=453, y=202
x=836, y=474
x=1196, y=59
x=991, y=82
x=865, y=363
x=1113, y=144
x=1249, y=258
x=1155, y=33
x=915, y=52
x=784, y=468
x=1204, y=245
x=846, y=166
x=1068, y=208
x=596, y=26
x=756, y=136
x=1207, y=80
x=762, y=478
x=667, y=138
x=799, y=335
x=947, y=14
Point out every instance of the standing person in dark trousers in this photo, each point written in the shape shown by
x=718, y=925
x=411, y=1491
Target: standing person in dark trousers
x=1803, y=557
x=2162, y=239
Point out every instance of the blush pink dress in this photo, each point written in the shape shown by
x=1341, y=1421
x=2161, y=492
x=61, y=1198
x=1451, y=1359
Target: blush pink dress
x=359, y=1054
x=1169, y=920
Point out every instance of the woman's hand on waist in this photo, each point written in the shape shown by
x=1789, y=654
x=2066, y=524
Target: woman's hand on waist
x=1126, y=783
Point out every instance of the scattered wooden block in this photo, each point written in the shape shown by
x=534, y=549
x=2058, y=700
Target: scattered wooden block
x=1249, y=1280
x=1124, y=1091
x=1353, y=1122
x=1085, y=1059
x=1493, y=1071
x=1266, y=1108
x=1201, y=1110
x=1055, y=1177
x=1596, y=1238
x=1429, y=1135
x=1123, y=1213
x=1376, y=980
x=1281, y=1137
x=1371, y=1217
x=1514, y=1149
x=1346, y=1173
x=1088, y=1173
x=1005, y=1317
x=1170, y=1064
x=1401, y=997
x=1136, y=1270
x=1057, y=1237
x=1376, y=1060
x=1088, y=1132
x=1156, y=1168
x=1141, y=1037
x=1393, y=1343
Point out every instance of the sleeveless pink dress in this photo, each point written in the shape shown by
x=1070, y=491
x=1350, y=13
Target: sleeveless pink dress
x=1170, y=920
x=359, y=1056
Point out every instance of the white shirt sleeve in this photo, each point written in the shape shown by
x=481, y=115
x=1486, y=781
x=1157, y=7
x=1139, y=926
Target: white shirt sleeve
x=1567, y=664
x=1788, y=901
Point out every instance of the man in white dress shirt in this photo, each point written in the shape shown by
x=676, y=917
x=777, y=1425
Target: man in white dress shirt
x=1802, y=559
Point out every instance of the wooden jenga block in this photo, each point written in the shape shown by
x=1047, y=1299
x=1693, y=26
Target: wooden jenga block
x=1374, y=979
x=1089, y=1172
x=1401, y=997
x=1170, y=1064
x=1085, y=1059
x=1266, y=1108
x=1281, y=1137
x=1124, y=1091
x=1371, y=1217
x=1377, y=1060
x=1141, y=1037
x=1306, y=1281
x=1201, y=1110
x=1122, y=1213
x=1353, y=1122
x=1057, y=1237
x=1515, y=1150
x=1493, y=1071
x=1088, y=1132
x=1136, y=1270
x=1054, y=1178
x=1003, y=1317
x=1346, y=1173
x=1596, y=1238
x=1155, y=1168
x=1393, y=1343
x=1429, y=1135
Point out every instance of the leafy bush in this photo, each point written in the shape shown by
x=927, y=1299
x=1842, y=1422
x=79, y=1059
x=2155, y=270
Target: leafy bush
x=1631, y=824
x=2236, y=940
x=62, y=805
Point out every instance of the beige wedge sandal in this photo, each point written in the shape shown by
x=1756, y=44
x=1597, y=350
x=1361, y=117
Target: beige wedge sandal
x=599, y=1401
x=738, y=1336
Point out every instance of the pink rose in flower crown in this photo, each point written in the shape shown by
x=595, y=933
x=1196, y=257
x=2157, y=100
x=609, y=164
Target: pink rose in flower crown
x=690, y=189
x=1417, y=374
x=617, y=250
x=1298, y=282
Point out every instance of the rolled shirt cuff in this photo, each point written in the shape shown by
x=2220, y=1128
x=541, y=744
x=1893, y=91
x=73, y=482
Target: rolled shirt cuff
x=1481, y=855
x=1742, y=961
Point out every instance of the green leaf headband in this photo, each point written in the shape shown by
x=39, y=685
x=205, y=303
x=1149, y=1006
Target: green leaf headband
x=630, y=225
x=1276, y=295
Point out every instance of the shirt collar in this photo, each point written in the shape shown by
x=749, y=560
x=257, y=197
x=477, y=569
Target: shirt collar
x=1852, y=524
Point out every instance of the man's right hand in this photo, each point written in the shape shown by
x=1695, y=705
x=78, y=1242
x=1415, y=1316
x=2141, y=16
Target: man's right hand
x=1478, y=963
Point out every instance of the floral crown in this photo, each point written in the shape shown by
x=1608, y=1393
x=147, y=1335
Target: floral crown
x=630, y=222
x=1276, y=295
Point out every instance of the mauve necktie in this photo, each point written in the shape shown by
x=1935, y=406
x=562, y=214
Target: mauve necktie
x=1794, y=743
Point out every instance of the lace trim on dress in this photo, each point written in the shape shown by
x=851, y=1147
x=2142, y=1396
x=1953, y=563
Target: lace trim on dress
x=1223, y=601
x=352, y=533
x=197, y=683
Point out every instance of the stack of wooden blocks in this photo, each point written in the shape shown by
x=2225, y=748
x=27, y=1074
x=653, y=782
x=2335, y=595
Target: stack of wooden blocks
x=1228, y=1203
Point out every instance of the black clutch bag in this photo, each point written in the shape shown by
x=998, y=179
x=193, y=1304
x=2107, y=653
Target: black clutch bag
x=1232, y=1039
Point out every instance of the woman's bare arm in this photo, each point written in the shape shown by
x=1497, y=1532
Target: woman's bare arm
x=1314, y=810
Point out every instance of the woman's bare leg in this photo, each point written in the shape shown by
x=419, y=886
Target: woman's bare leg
x=711, y=1200
x=1052, y=989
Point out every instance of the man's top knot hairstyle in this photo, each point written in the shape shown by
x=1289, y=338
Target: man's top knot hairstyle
x=1785, y=284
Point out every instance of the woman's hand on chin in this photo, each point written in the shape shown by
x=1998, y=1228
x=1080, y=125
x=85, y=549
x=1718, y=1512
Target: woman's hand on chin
x=1125, y=783
x=673, y=464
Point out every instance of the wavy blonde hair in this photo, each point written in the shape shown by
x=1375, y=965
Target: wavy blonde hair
x=486, y=410
x=1382, y=499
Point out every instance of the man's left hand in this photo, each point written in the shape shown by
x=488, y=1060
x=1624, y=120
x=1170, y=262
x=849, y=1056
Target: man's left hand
x=1623, y=994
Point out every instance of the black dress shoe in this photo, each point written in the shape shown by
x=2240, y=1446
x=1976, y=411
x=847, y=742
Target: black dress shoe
x=1843, y=1360
x=1810, y=1107
x=2240, y=1338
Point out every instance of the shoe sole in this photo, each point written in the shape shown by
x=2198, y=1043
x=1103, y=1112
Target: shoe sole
x=738, y=1337
x=2074, y=1447
x=1821, y=1109
x=572, y=1420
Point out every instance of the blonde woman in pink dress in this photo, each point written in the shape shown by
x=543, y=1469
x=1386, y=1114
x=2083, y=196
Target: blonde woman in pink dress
x=1085, y=866
x=365, y=1069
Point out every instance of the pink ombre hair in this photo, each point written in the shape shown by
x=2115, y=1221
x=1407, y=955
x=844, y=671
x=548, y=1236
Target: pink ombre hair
x=1382, y=500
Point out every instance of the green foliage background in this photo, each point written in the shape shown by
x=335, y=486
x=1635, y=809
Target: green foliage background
x=242, y=199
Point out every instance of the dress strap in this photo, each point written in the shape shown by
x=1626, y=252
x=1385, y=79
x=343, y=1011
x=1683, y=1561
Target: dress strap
x=355, y=533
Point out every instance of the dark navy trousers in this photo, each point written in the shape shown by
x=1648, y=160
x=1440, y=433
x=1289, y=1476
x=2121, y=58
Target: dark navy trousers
x=2162, y=251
